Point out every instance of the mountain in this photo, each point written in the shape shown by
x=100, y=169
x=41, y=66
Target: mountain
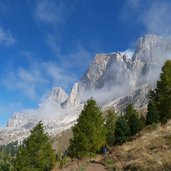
x=57, y=95
x=113, y=79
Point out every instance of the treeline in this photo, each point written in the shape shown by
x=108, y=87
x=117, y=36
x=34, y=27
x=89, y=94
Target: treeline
x=91, y=131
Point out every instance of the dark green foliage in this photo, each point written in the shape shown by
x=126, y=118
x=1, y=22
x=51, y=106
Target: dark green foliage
x=89, y=133
x=121, y=130
x=161, y=96
x=134, y=124
x=129, y=111
x=36, y=152
x=110, y=128
x=152, y=114
x=133, y=120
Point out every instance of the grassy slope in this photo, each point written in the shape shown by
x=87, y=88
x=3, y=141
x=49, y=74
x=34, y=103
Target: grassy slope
x=61, y=142
x=150, y=150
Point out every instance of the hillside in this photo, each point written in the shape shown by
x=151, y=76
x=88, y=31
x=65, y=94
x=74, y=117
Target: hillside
x=149, y=150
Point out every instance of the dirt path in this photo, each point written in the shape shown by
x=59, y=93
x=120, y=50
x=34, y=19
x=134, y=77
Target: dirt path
x=95, y=166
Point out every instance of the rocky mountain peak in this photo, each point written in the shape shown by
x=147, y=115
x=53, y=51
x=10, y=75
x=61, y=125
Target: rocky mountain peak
x=15, y=120
x=152, y=47
x=97, y=67
x=57, y=95
x=73, y=99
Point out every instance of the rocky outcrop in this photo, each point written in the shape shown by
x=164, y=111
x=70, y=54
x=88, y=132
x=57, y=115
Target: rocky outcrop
x=57, y=95
x=73, y=99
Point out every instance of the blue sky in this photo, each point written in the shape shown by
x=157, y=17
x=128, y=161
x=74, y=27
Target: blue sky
x=46, y=43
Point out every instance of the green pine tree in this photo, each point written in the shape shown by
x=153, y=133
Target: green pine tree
x=133, y=120
x=122, y=131
x=89, y=133
x=110, y=127
x=36, y=152
x=152, y=114
x=161, y=96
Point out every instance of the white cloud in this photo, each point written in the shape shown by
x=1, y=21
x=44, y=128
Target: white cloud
x=152, y=15
x=128, y=52
x=6, y=38
x=49, y=12
x=156, y=18
x=78, y=57
x=37, y=79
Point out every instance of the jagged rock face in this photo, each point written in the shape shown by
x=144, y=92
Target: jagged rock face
x=109, y=72
x=117, y=70
x=95, y=71
x=57, y=95
x=106, y=73
x=73, y=99
x=152, y=49
x=14, y=121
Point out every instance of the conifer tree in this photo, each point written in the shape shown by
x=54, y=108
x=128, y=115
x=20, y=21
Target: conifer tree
x=133, y=120
x=152, y=114
x=36, y=152
x=110, y=127
x=122, y=131
x=89, y=133
x=161, y=96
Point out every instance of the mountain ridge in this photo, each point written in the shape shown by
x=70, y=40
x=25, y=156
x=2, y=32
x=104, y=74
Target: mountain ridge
x=112, y=78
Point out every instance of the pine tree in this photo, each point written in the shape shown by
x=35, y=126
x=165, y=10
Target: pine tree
x=36, y=152
x=161, y=96
x=110, y=128
x=133, y=120
x=89, y=133
x=122, y=131
x=152, y=114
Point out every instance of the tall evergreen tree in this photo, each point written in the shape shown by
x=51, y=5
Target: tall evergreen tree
x=89, y=133
x=152, y=114
x=121, y=130
x=162, y=94
x=110, y=127
x=133, y=120
x=36, y=152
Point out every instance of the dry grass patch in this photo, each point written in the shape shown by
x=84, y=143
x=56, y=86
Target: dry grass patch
x=150, y=150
